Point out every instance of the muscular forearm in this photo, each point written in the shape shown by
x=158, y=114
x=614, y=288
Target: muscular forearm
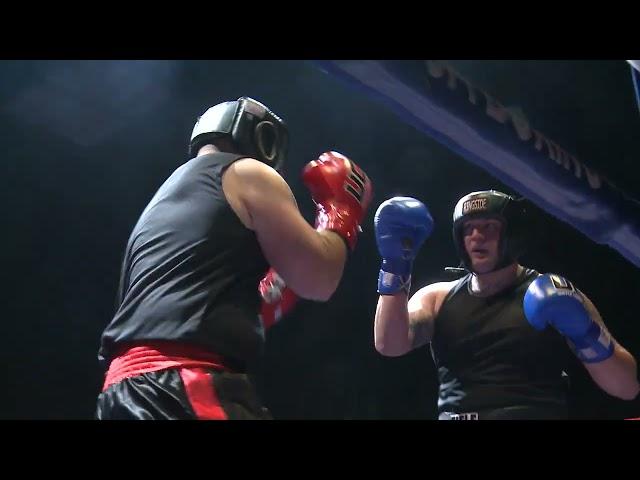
x=617, y=375
x=391, y=328
x=330, y=263
x=325, y=257
x=552, y=299
x=402, y=224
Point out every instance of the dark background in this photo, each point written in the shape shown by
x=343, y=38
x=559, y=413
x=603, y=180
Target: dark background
x=86, y=144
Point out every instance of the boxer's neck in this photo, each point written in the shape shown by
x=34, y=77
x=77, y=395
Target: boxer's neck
x=487, y=284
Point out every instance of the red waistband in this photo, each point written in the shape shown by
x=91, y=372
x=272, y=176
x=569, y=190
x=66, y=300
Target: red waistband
x=135, y=359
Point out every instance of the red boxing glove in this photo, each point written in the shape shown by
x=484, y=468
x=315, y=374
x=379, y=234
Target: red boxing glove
x=277, y=298
x=342, y=192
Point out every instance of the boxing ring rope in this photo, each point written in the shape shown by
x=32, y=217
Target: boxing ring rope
x=635, y=77
x=433, y=97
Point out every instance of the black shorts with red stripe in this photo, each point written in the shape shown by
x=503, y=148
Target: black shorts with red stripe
x=181, y=394
x=174, y=381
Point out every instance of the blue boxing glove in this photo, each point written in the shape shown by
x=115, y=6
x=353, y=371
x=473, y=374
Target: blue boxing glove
x=552, y=299
x=402, y=224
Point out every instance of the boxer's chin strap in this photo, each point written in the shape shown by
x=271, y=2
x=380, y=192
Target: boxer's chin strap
x=455, y=270
x=459, y=271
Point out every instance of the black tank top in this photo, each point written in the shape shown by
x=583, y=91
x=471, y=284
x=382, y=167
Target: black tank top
x=488, y=357
x=191, y=270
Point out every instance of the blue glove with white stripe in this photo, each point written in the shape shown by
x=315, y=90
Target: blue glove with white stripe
x=553, y=300
x=402, y=224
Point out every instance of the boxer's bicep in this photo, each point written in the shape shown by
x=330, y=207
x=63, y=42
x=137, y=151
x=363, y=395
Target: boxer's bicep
x=423, y=307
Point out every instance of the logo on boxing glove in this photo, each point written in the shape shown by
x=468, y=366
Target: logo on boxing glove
x=564, y=287
x=355, y=181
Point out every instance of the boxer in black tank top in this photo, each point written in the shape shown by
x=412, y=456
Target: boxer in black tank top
x=488, y=357
x=221, y=253
x=500, y=336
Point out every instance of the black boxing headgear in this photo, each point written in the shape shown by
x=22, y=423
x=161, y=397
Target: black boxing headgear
x=492, y=204
x=252, y=128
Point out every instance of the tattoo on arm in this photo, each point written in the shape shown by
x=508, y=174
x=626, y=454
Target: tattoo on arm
x=421, y=333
